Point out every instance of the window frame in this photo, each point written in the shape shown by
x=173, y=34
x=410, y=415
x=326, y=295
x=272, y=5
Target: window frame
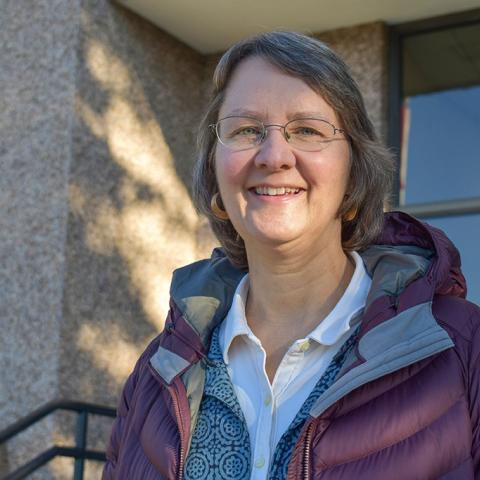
x=397, y=33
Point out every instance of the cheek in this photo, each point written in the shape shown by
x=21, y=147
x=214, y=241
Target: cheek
x=230, y=168
x=329, y=175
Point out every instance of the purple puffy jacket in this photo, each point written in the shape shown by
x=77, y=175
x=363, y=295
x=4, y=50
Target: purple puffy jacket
x=405, y=406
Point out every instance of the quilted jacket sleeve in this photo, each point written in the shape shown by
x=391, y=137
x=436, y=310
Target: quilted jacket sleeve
x=474, y=390
x=118, y=427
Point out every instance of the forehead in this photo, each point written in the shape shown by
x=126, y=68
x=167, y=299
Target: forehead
x=258, y=87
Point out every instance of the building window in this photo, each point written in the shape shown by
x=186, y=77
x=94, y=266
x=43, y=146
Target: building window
x=435, y=128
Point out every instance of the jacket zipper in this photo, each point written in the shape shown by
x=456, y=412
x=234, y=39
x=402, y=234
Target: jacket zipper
x=306, y=453
x=176, y=406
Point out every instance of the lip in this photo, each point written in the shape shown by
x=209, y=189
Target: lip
x=270, y=185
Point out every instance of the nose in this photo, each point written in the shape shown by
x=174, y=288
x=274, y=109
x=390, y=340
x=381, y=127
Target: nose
x=274, y=152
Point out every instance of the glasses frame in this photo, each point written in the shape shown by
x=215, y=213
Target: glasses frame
x=283, y=128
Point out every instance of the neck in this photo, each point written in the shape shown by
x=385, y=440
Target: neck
x=291, y=293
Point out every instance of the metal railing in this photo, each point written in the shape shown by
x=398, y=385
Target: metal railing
x=79, y=452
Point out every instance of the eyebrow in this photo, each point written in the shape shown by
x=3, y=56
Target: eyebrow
x=256, y=114
x=244, y=112
x=308, y=114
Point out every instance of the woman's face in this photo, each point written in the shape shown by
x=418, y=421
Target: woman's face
x=261, y=216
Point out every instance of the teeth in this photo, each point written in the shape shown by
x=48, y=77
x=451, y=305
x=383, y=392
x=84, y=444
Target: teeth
x=275, y=191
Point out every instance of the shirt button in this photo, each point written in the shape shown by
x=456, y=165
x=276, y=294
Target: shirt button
x=259, y=462
x=267, y=401
x=305, y=346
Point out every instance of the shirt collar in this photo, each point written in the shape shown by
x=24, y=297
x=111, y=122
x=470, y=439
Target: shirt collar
x=235, y=323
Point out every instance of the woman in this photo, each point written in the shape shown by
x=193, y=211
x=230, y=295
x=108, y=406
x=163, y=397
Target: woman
x=326, y=339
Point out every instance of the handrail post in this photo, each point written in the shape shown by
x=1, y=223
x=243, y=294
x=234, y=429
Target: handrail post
x=80, y=442
x=79, y=452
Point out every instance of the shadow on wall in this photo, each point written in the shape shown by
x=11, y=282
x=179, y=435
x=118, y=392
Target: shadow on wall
x=139, y=97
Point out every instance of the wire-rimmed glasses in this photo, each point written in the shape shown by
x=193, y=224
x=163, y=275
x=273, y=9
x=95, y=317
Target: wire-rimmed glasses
x=307, y=134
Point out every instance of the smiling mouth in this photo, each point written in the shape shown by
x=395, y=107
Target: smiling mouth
x=276, y=191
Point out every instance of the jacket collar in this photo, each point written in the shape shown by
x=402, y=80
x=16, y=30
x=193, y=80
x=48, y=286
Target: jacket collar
x=409, y=264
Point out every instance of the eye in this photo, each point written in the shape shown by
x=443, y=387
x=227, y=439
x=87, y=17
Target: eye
x=246, y=131
x=306, y=131
x=309, y=130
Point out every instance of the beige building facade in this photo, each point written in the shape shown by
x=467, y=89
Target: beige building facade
x=98, y=118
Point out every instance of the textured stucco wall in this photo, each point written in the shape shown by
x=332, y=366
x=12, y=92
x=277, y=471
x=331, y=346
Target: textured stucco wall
x=37, y=61
x=97, y=129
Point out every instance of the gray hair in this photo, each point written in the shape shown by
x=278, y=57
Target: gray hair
x=319, y=67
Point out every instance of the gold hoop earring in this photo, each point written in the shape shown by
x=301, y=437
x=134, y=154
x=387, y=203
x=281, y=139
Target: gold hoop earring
x=220, y=213
x=350, y=215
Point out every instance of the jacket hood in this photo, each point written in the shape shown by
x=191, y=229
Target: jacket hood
x=445, y=271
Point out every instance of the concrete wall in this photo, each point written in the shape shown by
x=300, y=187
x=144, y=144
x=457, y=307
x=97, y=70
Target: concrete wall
x=97, y=123
x=37, y=81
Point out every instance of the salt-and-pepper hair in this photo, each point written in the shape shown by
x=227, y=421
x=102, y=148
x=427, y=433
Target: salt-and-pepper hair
x=319, y=67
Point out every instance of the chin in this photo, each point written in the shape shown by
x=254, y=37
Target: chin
x=274, y=234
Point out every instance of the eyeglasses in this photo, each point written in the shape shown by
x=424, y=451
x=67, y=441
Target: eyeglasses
x=307, y=134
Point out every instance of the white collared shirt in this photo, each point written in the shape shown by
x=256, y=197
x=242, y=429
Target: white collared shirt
x=269, y=409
